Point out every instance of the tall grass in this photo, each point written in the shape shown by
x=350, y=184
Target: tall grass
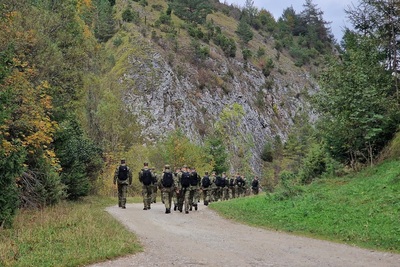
x=362, y=210
x=68, y=234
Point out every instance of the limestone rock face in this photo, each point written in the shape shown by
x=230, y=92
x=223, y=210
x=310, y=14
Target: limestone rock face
x=165, y=96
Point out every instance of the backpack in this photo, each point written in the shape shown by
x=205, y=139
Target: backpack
x=218, y=181
x=206, y=182
x=193, y=179
x=185, y=179
x=167, y=180
x=223, y=181
x=232, y=182
x=123, y=172
x=239, y=181
x=147, y=178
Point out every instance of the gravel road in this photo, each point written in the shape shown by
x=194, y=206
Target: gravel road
x=202, y=238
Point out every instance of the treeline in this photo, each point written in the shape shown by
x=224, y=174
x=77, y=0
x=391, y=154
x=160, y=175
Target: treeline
x=48, y=49
x=357, y=104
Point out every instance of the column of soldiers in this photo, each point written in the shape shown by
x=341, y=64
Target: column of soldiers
x=183, y=188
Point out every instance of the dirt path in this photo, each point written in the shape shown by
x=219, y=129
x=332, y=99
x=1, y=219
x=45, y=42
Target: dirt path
x=202, y=238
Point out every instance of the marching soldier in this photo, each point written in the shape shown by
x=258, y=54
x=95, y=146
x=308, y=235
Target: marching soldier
x=123, y=178
x=206, y=188
x=146, y=177
x=167, y=187
x=183, y=189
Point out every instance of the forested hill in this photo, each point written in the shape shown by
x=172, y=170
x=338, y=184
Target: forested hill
x=85, y=82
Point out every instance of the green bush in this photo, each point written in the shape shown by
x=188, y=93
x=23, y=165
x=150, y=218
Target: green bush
x=80, y=159
x=247, y=54
x=117, y=41
x=228, y=45
x=10, y=169
x=130, y=16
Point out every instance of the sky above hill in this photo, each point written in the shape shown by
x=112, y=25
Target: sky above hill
x=333, y=10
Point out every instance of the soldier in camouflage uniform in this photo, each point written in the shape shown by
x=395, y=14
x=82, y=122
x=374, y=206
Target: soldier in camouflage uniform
x=232, y=187
x=167, y=187
x=255, y=186
x=195, y=180
x=123, y=178
x=146, y=177
x=175, y=194
x=155, y=186
x=206, y=188
x=213, y=188
x=183, y=189
x=225, y=187
x=240, y=185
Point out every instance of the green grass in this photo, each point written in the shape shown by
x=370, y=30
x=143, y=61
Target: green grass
x=361, y=210
x=68, y=234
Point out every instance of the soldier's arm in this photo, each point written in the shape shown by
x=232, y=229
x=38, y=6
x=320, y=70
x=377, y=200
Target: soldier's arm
x=140, y=176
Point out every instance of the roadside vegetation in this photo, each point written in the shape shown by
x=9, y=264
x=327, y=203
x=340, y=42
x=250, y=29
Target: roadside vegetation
x=360, y=209
x=67, y=234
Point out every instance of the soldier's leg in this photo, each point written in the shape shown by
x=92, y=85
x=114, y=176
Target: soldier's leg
x=119, y=195
x=187, y=199
x=168, y=200
x=191, y=195
x=181, y=198
x=149, y=193
x=174, y=199
x=124, y=190
x=196, y=198
x=144, y=193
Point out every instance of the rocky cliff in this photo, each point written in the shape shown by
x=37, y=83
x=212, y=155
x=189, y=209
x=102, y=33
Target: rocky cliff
x=167, y=89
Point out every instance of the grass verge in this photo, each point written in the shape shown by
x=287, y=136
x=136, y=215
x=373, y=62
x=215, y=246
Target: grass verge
x=68, y=234
x=361, y=210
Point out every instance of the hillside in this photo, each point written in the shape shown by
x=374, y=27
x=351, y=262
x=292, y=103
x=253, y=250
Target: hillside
x=167, y=87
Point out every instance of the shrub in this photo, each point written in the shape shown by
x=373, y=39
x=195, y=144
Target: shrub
x=117, y=41
x=130, y=16
x=246, y=54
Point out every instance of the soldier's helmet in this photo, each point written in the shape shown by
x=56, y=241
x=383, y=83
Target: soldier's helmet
x=167, y=166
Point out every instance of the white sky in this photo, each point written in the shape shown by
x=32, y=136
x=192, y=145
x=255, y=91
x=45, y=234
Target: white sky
x=333, y=10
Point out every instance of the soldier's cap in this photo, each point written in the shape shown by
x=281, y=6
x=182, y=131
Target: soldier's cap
x=184, y=166
x=123, y=160
x=167, y=166
x=206, y=173
x=153, y=168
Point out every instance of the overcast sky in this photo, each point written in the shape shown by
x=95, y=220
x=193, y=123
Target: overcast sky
x=333, y=10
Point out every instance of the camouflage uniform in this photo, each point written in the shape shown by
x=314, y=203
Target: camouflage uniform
x=240, y=185
x=213, y=188
x=255, y=186
x=155, y=186
x=224, y=187
x=206, y=189
x=166, y=191
x=147, y=190
x=183, y=192
x=232, y=187
x=122, y=184
x=194, y=189
x=175, y=194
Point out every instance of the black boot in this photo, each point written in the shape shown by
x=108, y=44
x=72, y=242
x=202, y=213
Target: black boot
x=168, y=211
x=175, y=207
x=206, y=203
x=195, y=207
